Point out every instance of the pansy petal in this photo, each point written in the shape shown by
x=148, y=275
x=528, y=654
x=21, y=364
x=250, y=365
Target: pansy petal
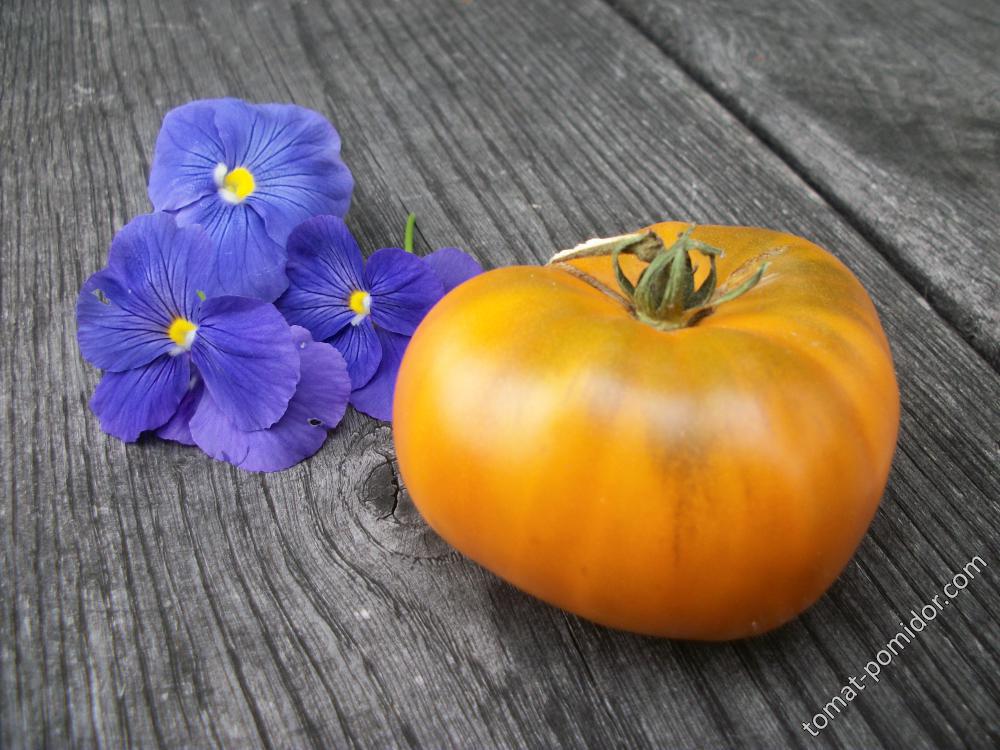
x=324, y=246
x=452, y=266
x=164, y=265
x=245, y=261
x=178, y=427
x=300, y=336
x=243, y=350
x=324, y=267
x=129, y=403
x=324, y=387
x=318, y=404
x=188, y=148
x=361, y=349
x=375, y=398
x=403, y=289
x=113, y=337
x=293, y=154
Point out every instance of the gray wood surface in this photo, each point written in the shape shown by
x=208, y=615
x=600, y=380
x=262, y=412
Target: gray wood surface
x=889, y=108
x=152, y=598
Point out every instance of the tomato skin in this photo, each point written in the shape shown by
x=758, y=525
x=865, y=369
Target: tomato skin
x=706, y=483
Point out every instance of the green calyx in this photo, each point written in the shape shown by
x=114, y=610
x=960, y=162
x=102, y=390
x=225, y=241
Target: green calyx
x=665, y=295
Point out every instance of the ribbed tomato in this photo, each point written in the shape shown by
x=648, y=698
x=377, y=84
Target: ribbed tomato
x=668, y=458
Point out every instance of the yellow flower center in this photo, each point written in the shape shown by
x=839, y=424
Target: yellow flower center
x=182, y=332
x=234, y=185
x=360, y=303
x=240, y=181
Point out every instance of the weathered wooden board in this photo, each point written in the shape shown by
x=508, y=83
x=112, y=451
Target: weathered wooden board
x=152, y=598
x=890, y=109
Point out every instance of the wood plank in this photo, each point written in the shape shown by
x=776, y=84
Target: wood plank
x=889, y=109
x=150, y=597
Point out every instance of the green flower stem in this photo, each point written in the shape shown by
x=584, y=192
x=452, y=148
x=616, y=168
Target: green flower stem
x=411, y=223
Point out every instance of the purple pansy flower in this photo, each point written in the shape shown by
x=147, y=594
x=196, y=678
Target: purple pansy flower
x=226, y=373
x=249, y=174
x=368, y=311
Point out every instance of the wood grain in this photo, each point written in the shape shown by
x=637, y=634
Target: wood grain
x=152, y=598
x=889, y=109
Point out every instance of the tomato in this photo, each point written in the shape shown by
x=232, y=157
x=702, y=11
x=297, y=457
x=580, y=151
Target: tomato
x=704, y=478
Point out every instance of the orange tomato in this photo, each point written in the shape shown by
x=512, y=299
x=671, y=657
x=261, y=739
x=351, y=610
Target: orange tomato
x=704, y=482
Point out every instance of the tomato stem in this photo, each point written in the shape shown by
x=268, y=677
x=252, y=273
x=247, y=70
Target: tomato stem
x=665, y=295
